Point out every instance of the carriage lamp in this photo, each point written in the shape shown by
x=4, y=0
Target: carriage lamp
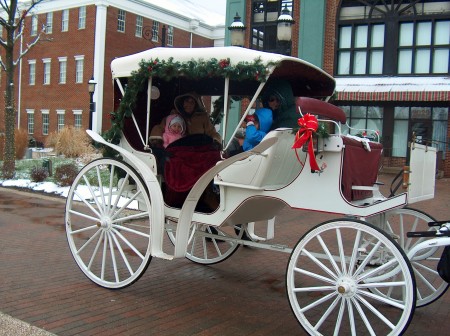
x=91, y=86
x=284, y=31
x=237, y=32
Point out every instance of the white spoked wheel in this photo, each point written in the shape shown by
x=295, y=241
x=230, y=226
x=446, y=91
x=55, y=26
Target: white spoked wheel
x=332, y=272
x=430, y=286
x=211, y=244
x=107, y=223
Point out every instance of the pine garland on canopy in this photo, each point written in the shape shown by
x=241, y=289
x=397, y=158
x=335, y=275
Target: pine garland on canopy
x=168, y=69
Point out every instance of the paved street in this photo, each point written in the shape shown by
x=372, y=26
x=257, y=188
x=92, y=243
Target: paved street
x=40, y=283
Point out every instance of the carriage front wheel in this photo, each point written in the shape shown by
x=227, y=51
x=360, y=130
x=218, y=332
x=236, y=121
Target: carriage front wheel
x=107, y=223
x=332, y=272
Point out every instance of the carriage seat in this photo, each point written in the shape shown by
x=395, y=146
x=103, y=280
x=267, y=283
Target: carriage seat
x=361, y=164
x=274, y=168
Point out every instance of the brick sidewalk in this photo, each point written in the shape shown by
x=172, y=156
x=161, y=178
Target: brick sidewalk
x=244, y=295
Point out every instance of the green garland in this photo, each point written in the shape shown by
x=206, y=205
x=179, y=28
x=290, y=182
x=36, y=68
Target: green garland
x=168, y=69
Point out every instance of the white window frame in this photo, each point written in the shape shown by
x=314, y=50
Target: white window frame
x=65, y=20
x=47, y=70
x=77, y=118
x=30, y=121
x=82, y=17
x=170, y=35
x=49, y=25
x=79, y=68
x=45, y=121
x=62, y=70
x=60, y=117
x=139, y=25
x=121, y=20
x=155, y=31
x=32, y=69
x=34, y=25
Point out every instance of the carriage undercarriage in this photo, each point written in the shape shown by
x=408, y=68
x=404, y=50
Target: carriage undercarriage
x=359, y=273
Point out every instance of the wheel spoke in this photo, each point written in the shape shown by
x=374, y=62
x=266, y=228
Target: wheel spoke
x=122, y=254
x=94, y=253
x=319, y=263
x=113, y=257
x=318, y=302
x=383, y=299
x=363, y=317
x=314, y=275
x=367, y=259
x=375, y=311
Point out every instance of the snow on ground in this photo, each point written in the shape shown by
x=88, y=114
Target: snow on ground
x=46, y=187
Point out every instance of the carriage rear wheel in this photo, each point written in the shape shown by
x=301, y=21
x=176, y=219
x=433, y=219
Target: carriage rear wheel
x=430, y=286
x=211, y=244
x=107, y=223
x=332, y=271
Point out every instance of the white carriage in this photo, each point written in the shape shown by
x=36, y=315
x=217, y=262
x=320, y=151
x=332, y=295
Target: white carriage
x=367, y=275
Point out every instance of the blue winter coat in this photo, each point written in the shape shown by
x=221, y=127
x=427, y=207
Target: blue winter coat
x=254, y=136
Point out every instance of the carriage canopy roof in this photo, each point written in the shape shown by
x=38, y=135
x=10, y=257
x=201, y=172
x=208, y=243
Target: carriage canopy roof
x=305, y=78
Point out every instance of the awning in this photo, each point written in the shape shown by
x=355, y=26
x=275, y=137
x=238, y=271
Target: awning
x=393, y=89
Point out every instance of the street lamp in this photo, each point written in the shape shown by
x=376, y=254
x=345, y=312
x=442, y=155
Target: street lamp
x=91, y=85
x=147, y=33
x=284, y=31
x=237, y=32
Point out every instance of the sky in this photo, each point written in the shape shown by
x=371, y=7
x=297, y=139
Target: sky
x=217, y=6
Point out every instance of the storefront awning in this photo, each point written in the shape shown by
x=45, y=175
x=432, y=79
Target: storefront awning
x=393, y=89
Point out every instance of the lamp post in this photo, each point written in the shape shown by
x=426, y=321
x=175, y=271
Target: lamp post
x=91, y=86
x=284, y=31
x=237, y=32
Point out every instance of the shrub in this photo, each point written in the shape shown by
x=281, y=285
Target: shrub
x=71, y=142
x=65, y=174
x=38, y=174
x=21, y=143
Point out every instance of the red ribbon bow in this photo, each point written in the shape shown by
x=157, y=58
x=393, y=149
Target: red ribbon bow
x=308, y=124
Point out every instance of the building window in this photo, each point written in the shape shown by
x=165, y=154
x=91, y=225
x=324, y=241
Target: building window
x=361, y=49
x=34, y=25
x=398, y=38
x=62, y=70
x=79, y=68
x=60, y=114
x=65, y=20
x=45, y=121
x=170, y=35
x=82, y=17
x=121, y=21
x=30, y=121
x=49, y=27
x=47, y=68
x=365, y=121
x=424, y=47
x=155, y=31
x=423, y=124
x=139, y=24
x=77, y=115
x=32, y=67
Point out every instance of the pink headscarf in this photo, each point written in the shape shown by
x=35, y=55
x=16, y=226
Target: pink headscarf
x=169, y=136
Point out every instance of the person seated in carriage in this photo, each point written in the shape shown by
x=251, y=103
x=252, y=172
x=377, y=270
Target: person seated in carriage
x=258, y=125
x=191, y=108
x=175, y=129
x=188, y=158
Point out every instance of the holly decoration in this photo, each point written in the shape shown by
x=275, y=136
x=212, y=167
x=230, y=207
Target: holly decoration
x=168, y=70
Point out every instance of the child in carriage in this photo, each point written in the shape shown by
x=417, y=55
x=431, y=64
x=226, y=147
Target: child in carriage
x=175, y=129
x=258, y=125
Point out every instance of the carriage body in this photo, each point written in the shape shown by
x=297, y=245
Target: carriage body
x=253, y=186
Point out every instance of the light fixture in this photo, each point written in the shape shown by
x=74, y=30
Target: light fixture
x=92, y=83
x=91, y=86
x=237, y=32
x=284, y=28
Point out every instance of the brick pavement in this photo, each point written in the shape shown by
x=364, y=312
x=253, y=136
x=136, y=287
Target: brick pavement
x=244, y=295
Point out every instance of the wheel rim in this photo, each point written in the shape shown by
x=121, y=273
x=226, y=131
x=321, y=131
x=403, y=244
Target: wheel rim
x=430, y=286
x=108, y=224
x=211, y=244
x=331, y=274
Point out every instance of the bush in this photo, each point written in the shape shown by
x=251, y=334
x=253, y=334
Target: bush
x=20, y=142
x=65, y=174
x=38, y=174
x=71, y=142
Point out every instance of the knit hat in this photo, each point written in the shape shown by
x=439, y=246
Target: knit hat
x=178, y=119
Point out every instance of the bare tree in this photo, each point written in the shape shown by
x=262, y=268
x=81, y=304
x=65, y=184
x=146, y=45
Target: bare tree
x=12, y=19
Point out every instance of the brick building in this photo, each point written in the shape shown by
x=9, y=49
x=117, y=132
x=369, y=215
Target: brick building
x=391, y=61
x=82, y=38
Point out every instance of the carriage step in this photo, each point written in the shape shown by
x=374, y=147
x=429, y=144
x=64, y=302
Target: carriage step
x=438, y=223
x=432, y=233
